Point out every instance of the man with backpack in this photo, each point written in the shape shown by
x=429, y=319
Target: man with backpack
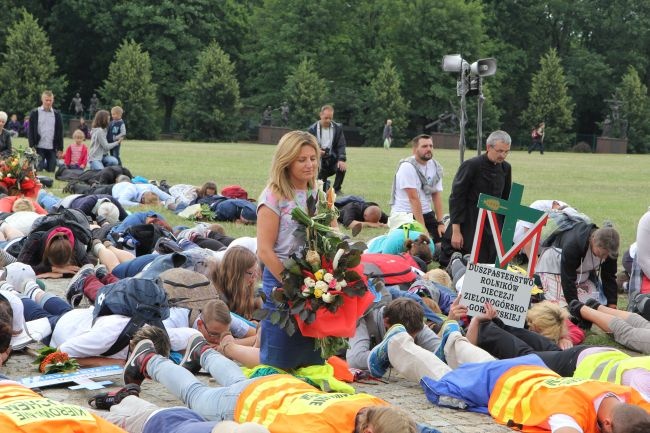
x=105, y=329
x=417, y=187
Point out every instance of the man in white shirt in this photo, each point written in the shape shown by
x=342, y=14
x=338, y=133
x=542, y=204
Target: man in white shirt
x=417, y=187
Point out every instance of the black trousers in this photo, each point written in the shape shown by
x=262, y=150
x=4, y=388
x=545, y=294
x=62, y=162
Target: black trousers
x=329, y=168
x=48, y=159
x=504, y=342
x=431, y=224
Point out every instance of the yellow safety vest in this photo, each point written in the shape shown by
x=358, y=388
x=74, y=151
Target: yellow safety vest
x=285, y=404
x=609, y=366
x=525, y=397
x=22, y=410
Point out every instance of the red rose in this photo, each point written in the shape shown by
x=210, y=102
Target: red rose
x=9, y=181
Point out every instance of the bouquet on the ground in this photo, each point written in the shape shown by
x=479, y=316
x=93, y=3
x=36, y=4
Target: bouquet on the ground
x=324, y=290
x=18, y=174
x=50, y=361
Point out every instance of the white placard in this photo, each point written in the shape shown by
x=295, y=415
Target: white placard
x=508, y=291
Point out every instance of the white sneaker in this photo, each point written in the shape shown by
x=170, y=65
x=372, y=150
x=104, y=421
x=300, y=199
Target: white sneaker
x=17, y=274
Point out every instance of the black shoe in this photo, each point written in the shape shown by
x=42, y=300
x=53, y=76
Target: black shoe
x=75, y=292
x=592, y=303
x=106, y=400
x=574, y=309
x=134, y=367
x=192, y=358
x=101, y=271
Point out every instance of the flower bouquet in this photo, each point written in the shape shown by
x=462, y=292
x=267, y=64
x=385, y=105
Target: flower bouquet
x=324, y=290
x=50, y=360
x=18, y=175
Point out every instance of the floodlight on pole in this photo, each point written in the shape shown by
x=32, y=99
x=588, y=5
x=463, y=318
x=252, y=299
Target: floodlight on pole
x=469, y=83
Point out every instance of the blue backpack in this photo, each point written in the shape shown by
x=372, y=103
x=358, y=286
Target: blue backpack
x=143, y=300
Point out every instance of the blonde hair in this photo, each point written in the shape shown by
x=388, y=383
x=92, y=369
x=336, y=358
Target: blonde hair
x=548, y=319
x=439, y=276
x=23, y=204
x=149, y=198
x=230, y=279
x=286, y=153
x=216, y=311
x=385, y=419
x=117, y=109
x=78, y=133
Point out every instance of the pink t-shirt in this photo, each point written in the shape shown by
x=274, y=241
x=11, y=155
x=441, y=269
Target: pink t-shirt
x=75, y=153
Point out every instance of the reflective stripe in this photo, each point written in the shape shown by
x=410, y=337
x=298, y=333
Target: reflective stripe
x=505, y=398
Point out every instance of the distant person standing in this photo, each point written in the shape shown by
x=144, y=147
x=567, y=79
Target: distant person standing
x=485, y=174
x=332, y=148
x=267, y=116
x=45, y=132
x=5, y=137
x=388, y=134
x=116, y=131
x=537, y=135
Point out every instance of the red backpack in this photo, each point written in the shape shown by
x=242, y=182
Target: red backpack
x=234, y=191
x=395, y=269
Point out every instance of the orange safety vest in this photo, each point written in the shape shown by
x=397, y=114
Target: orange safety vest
x=24, y=411
x=285, y=404
x=526, y=396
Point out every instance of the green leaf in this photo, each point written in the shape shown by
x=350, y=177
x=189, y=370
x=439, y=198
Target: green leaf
x=275, y=317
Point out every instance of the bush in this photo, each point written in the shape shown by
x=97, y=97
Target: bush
x=582, y=147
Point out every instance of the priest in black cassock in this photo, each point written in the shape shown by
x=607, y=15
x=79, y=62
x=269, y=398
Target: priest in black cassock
x=485, y=174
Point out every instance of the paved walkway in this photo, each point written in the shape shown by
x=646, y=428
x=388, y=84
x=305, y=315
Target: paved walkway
x=406, y=395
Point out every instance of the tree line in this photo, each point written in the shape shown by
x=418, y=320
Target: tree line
x=210, y=67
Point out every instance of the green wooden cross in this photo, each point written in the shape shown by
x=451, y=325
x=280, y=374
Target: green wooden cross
x=513, y=211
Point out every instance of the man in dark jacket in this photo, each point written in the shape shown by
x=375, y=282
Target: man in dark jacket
x=570, y=266
x=485, y=174
x=332, y=144
x=45, y=132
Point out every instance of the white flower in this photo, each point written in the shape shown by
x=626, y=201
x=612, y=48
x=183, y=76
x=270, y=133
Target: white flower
x=343, y=283
x=306, y=293
x=322, y=285
x=328, y=298
x=328, y=277
x=309, y=282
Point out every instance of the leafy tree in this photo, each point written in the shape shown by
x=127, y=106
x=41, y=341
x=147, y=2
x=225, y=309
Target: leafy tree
x=28, y=67
x=550, y=102
x=175, y=32
x=636, y=110
x=383, y=100
x=209, y=105
x=305, y=91
x=129, y=85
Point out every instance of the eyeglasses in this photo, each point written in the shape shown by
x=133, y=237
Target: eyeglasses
x=207, y=331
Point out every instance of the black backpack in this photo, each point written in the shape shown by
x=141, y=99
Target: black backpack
x=143, y=300
x=146, y=236
x=73, y=219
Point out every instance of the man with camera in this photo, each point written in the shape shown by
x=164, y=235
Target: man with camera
x=417, y=187
x=332, y=148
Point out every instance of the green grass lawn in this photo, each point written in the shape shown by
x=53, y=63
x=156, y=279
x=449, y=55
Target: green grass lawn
x=605, y=187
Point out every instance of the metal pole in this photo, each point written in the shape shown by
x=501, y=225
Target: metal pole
x=479, y=117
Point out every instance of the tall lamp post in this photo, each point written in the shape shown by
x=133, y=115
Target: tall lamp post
x=470, y=79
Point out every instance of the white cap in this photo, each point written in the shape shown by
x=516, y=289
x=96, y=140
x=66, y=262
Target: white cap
x=109, y=212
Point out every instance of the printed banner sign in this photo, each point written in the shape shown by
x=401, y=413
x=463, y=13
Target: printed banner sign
x=508, y=291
